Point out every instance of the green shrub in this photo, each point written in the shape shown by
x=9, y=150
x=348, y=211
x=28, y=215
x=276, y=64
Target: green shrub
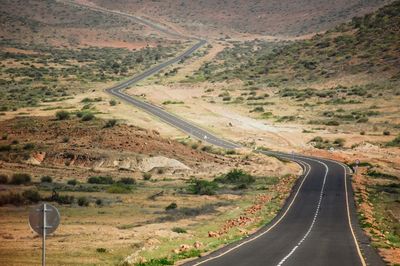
x=179, y=230
x=202, y=187
x=146, y=176
x=110, y=123
x=195, y=146
x=237, y=177
x=386, y=133
x=87, y=117
x=5, y=148
x=127, y=181
x=101, y=250
x=11, y=198
x=83, y=201
x=3, y=179
x=99, y=202
x=62, y=199
x=62, y=115
x=32, y=195
x=332, y=123
x=376, y=174
x=72, y=182
x=105, y=180
x=20, y=178
x=394, y=143
x=172, y=206
x=29, y=146
x=46, y=179
x=113, y=102
x=339, y=142
x=119, y=189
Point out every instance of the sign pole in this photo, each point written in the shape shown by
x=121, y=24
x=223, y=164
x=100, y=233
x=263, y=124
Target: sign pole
x=44, y=236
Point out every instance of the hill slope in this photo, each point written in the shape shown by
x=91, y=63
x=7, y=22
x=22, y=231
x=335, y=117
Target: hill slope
x=268, y=17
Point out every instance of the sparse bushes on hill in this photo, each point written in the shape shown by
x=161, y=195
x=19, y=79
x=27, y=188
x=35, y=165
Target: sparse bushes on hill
x=83, y=201
x=46, y=179
x=110, y=123
x=105, y=180
x=62, y=115
x=119, y=188
x=3, y=179
x=172, y=206
x=32, y=195
x=202, y=187
x=127, y=181
x=72, y=182
x=395, y=142
x=236, y=177
x=20, y=179
x=88, y=117
x=146, y=176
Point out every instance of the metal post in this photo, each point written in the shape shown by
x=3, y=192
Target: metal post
x=44, y=236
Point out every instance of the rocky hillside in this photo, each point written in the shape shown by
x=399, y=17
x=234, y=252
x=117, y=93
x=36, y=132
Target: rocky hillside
x=275, y=17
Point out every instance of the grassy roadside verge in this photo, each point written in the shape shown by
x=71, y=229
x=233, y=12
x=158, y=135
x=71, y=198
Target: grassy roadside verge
x=377, y=196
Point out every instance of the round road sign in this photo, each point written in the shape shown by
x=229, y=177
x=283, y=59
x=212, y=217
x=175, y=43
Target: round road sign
x=44, y=216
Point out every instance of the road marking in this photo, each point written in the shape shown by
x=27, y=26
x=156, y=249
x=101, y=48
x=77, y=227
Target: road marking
x=269, y=229
x=314, y=219
x=363, y=262
x=349, y=219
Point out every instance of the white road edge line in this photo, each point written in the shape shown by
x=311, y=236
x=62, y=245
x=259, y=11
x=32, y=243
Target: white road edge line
x=266, y=231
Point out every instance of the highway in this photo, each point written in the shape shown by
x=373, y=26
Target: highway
x=318, y=223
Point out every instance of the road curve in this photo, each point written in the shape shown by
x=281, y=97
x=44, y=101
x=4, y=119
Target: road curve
x=317, y=225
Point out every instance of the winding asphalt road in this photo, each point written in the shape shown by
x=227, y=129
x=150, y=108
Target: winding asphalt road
x=317, y=225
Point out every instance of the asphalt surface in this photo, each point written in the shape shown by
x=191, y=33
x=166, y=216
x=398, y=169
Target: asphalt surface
x=316, y=226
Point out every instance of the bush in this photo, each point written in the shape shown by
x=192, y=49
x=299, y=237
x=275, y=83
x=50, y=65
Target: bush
x=99, y=202
x=3, y=179
x=32, y=195
x=11, y=198
x=83, y=201
x=172, y=206
x=202, y=187
x=87, y=117
x=195, y=146
x=394, y=143
x=110, y=123
x=237, y=177
x=62, y=199
x=5, y=148
x=386, y=133
x=332, y=123
x=339, y=142
x=101, y=250
x=46, y=179
x=113, y=102
x=20, y=178
x=105, y=180
x=119, y=189
x=146, y=176
x=127, y=181
x=179, y=230
x=29, y=146
x=72, y=182
x=62, y=115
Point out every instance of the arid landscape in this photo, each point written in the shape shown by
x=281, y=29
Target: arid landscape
x=311, y=78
